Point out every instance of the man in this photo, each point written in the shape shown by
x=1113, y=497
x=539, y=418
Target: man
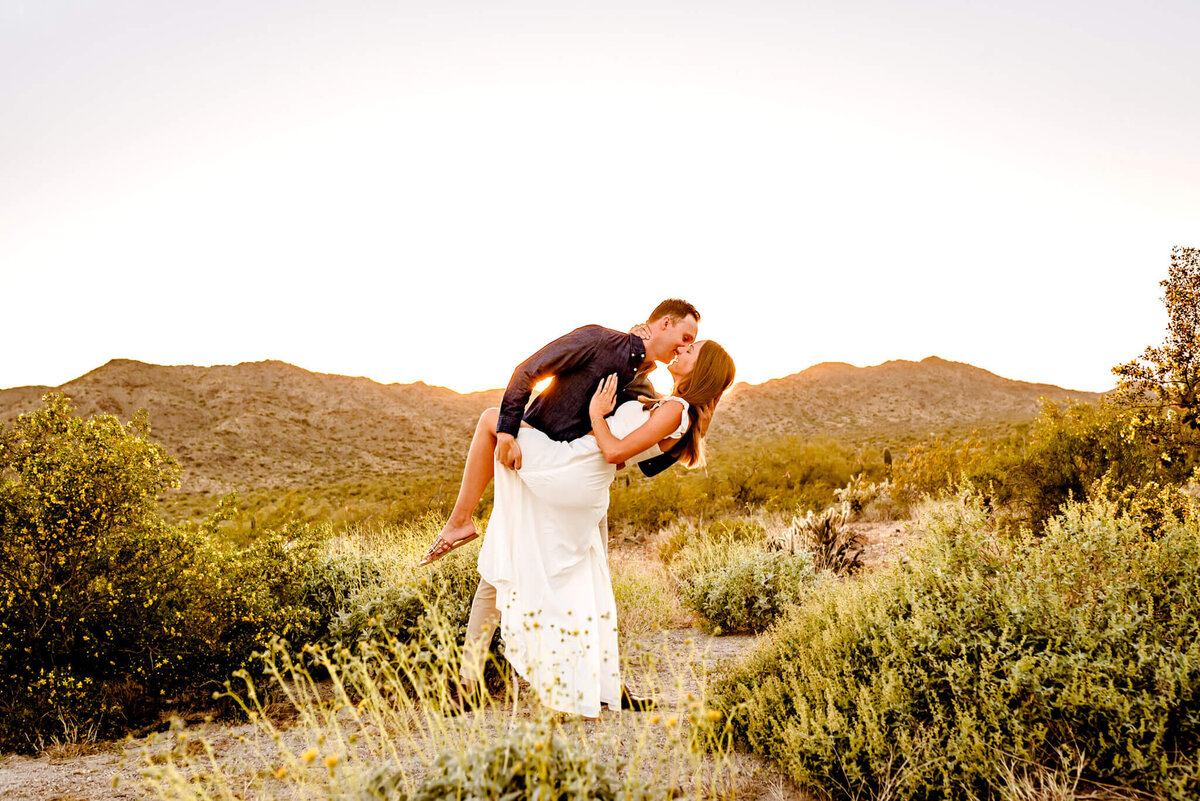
x=577, y=362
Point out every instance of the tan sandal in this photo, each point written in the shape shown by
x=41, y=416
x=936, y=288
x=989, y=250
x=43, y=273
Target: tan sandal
x=440, y=548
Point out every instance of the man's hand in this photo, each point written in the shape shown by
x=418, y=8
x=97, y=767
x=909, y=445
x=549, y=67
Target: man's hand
x=704, y=416
x=508, y=452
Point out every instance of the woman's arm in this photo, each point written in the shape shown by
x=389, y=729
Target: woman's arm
x=663, y=421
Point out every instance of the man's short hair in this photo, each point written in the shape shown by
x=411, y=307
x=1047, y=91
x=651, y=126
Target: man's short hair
x=674, y=308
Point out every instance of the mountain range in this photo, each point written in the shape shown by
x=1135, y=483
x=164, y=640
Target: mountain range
x=274, y=425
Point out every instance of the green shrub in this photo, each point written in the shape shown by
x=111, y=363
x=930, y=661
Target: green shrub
x=406, y=600
x=106, y=611
x=931, y=681
x=749, y=595
x=776, y=474
x=1029, y=475
x=330, y=583
x=527, y=762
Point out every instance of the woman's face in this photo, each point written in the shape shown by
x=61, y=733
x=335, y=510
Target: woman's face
x=685, y=362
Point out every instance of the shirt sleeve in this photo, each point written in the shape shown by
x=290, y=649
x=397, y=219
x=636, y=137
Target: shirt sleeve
x=566, y=353
x=653, y=466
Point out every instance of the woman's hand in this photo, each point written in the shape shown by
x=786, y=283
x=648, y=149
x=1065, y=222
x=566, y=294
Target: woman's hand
x=605, y=398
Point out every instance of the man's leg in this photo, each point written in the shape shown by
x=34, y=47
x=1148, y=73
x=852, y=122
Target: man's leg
x=477, y=472
x=628, y=699
x=480, y=627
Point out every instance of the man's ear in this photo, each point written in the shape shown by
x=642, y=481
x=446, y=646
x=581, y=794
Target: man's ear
x=663, y=323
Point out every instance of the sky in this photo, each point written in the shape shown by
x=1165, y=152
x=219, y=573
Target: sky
x=431, y=191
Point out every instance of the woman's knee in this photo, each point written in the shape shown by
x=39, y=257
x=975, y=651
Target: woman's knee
x=489, y=418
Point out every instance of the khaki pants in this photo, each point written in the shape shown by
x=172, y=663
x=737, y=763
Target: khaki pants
x=485, y=616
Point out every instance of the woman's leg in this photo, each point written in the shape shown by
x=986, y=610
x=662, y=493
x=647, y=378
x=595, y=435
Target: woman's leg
x=479, y=469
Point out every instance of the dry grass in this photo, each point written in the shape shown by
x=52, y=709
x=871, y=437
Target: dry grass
x=647, y=597
x=385, y=705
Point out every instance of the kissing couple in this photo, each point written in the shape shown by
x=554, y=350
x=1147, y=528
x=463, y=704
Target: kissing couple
x=544, y=563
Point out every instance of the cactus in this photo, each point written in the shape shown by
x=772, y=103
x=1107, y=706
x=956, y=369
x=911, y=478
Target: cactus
x=834, y=547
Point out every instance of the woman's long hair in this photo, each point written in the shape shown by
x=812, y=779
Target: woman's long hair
x=712, y=375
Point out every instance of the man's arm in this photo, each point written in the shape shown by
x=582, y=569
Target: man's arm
x=563, y=354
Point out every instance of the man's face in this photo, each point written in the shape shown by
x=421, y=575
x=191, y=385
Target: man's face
x=672, y=337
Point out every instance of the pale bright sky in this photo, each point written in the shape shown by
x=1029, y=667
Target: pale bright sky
x=430, y=191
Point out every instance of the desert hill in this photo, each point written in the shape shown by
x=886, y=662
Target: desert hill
x=834, y=398
x=271, y=424
x=274, y=425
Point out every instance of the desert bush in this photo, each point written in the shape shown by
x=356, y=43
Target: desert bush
x=932, y=681
x=106, y=611
x=527, y=762
x=726, y=576
x=752, y=593
x=330, y=583
x=1030, y=474
x=1152, y=505
x=777, y=474
x=773, y=475
x=884, y=506
x=406, y=601
x=390, y=501
x=930, y=468
x=1069, y=447
x=1164, y=382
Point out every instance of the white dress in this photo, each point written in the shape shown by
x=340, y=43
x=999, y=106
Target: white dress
x=544, y=553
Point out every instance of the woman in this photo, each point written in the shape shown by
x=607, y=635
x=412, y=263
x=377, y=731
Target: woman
x=544, y=551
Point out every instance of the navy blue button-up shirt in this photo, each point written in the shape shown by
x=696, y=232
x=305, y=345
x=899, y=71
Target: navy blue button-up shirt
x=578, y=362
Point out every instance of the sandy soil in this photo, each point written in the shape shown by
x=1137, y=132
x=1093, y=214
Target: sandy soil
x=887, y=543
